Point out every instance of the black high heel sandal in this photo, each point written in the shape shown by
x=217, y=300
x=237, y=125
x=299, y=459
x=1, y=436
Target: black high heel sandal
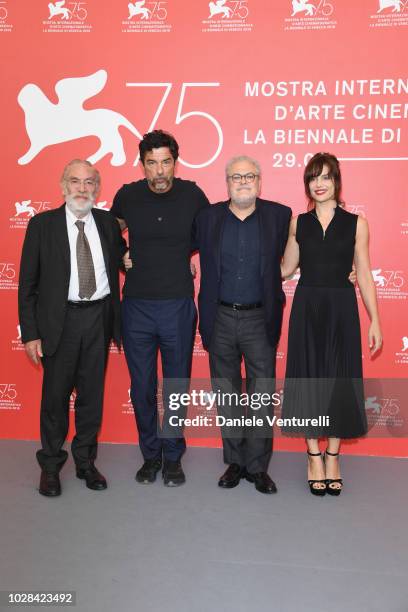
x=329, y=481
x=321, y=490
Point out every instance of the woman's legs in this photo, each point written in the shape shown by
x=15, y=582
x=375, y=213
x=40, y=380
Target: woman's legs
x=315, y=468
x=333, y=476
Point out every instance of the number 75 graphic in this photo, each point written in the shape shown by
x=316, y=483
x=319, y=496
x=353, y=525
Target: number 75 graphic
x=182, y=116
x=8, y=391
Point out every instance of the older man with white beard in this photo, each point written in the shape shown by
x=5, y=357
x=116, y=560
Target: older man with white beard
x=241, y=243
x=69, y=311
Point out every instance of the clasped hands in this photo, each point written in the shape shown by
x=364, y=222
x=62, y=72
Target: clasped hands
x=127, y=262
x=374, y=334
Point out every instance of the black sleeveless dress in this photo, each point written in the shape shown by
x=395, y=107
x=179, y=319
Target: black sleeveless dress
x=324, y=363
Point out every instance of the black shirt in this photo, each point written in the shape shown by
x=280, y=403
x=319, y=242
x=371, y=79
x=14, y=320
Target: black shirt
x=159, y=228
x=240, y=260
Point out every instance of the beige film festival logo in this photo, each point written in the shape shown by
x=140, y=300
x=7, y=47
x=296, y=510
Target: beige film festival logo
x=222, y=9
x=58, y=9
x=390, y=13
x=401, y=355
x=16, y=343
x=395, y=5
x=68, y=17
x=147, y=17
x=219, y=8
x=138, y=8
x=308, y=15
x=5, y=25
x=9, y=397
x=227, y=16
x=26, y=210
x=390, y=283
x=48, y=124
x=300, y=6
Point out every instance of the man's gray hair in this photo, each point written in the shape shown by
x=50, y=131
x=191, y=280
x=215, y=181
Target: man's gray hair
x=242, y=158
x=84, y=162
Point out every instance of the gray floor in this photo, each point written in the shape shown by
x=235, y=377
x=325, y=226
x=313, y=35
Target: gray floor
x=200, y=548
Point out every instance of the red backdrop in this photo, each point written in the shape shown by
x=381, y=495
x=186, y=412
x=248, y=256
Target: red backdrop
x=277, y=81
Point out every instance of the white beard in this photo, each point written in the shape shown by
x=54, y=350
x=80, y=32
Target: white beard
x=81, y=208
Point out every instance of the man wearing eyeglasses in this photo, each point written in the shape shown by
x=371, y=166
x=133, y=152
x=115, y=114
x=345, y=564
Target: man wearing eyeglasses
x=241, y=243
x=69, y=311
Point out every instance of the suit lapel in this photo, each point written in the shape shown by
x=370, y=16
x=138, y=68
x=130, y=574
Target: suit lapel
x=217, y=233
x=267, y=232
x=261, y=221
x=61, y=234
x=104, y=243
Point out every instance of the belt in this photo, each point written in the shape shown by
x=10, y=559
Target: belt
x=87, y=303
x=241, y=306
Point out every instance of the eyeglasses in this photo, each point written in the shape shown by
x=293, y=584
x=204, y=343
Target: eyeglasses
x=75, y=182
x=237, y=178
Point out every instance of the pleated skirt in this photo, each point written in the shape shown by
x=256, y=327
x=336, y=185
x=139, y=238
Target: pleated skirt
x=324, y=365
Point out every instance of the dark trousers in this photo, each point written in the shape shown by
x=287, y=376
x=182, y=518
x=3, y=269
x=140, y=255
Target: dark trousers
x=241, y=335
x=149, y=326
x=78, y=363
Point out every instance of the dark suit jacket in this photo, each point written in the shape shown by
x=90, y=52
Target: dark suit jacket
x=45, y=273
x=274, y=222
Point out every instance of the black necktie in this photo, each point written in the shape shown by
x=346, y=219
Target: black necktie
x=86, y=270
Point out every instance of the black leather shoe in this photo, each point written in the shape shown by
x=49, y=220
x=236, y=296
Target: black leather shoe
x=263, y=482
x=50, y=484
x=173, y=475
x=93, y=479
x=231, y=476
x=148, y=471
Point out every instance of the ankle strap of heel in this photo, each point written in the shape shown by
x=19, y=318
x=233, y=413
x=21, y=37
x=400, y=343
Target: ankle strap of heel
x=332, y=454
x=313, y=454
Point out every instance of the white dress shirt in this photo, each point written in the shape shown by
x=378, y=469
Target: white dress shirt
x=92, y=234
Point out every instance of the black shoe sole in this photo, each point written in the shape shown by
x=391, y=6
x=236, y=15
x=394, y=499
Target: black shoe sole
x=172, y=483
x=150, y=480
x=49, y=493
x=229, y=485
x=145, y=481
x=267, y=491
x=250, y=479
x=99, y=487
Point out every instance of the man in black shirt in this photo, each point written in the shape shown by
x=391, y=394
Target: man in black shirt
x=158, y=311
x=241, y=243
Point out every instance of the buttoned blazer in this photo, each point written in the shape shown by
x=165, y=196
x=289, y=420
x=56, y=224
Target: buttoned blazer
x=208, y=230
x=45, y=270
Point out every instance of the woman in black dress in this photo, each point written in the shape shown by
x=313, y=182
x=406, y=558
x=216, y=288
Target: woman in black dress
x=324, y=363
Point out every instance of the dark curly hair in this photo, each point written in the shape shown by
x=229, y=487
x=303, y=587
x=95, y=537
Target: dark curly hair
x=155, y=140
